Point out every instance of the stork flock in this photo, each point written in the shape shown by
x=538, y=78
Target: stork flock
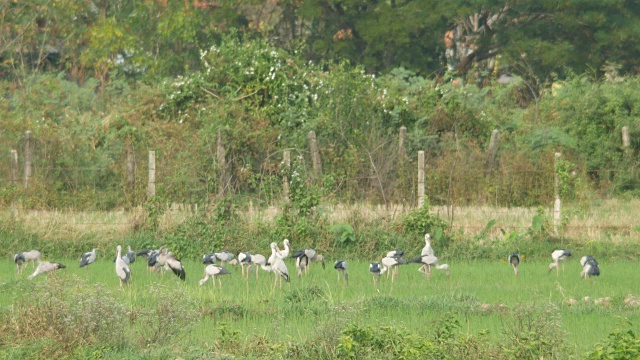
x=162, y=260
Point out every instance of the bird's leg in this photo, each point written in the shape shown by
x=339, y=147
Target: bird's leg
x=219, y=282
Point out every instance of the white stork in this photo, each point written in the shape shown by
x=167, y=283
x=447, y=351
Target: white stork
x=514, y=260
x=558, y=256
x=589, y=267
x=341, y=266
x=211, y=271
x=280, y=269
x=427, y=249
x=24, y=257
x=284, y=253
x=122, y=269
x=391, y=262
x=88, y=258
x=45, y=268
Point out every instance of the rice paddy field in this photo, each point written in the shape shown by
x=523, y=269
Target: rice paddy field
x=480, y=311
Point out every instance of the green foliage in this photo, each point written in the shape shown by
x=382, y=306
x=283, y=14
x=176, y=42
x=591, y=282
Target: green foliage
x=420, y=221
x=189, y=239
x=534, y=333
x=345, y=234
x=621, y=344
x=68, y=317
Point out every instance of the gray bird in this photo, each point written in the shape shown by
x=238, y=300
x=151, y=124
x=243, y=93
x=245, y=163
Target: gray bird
x=21, y=258
x=88, y=258
x=122, y=269
x=429, y=261
x=589, y=267
x=341, y=266
x=176, y=267
x=211, y=271
x=391, y=262
x=514, y=260
x=304, y=257
x=130, y=255
x=375, y=268
x=45, y=268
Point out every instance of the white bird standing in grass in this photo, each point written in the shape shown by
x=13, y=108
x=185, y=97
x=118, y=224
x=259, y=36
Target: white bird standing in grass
x=45, y=268
x=427, y=262
x=589, y=267
x=558, y=256
x=341, y=266
x=280, y=269
x=284, y=253
x=88, y=258
x=122, y=269
x=376, y=270
x=514, y=260
x=391, y=262
x=22, y=258
x=211, y=271
x=427, y=249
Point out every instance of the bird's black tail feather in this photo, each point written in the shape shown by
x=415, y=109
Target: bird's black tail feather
x=180, y=273
x=415, y=260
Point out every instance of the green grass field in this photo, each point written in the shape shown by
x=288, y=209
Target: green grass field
x=161, y=316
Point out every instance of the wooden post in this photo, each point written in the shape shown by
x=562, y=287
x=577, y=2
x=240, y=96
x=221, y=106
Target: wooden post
x=151, y=190
x=222, y=165
x=625, y=139
x=28, y=164
x=131, y=168
x=420, y=179
x=14, y=166
x=286, y=162
x=401, y=138
x=493, y=149
x=557, y=203
x=315, y=153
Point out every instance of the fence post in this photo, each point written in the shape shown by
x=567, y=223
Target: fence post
x=493, y=149
x=557, y=203
x=286, y=162
x=625, y=139
x=28, y=164
x=14, y=166
x=151, y=190
x=401, y=137
x=131, y=168
x=420, y=178
x=315, y=153
x=222, y=166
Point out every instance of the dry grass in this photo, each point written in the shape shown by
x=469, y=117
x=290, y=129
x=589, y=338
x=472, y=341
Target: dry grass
x=613, y=220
